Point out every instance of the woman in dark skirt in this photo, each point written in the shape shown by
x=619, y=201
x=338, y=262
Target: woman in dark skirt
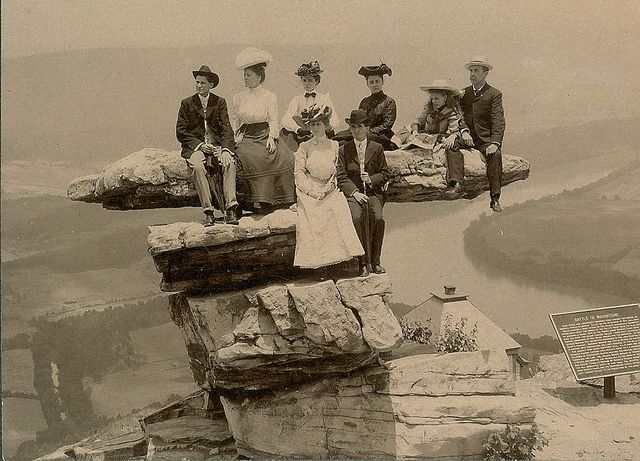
x=265, y=179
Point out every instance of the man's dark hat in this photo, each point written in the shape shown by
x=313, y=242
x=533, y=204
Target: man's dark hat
x=357, y=116
x=206, y=72
x=382, y=69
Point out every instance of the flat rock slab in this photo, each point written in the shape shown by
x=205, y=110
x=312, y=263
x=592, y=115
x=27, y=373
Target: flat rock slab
x=192, y=257
x=420, y=407
x=156, y=178
x=126, y=446
x=193, y=427
x=266, y=337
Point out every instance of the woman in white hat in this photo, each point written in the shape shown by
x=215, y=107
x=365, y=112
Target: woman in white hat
x=324, y=232
x=441, y=116
x=293, y=134
x=265, y=178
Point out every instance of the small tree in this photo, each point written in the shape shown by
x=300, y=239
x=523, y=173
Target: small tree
x=454, y=338
x=416, y=332
x=513, y=444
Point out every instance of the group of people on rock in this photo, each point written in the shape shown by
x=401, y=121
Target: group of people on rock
x=241, y=158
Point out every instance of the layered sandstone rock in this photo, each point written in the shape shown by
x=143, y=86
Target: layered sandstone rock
x=194, y=427
x=222, y=257
x=155, y=178
x=264, y=337
x=419, y=407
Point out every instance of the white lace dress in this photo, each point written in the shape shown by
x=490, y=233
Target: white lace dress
x=324, y=233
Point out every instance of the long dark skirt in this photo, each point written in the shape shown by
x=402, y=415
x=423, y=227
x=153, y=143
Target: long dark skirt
x=264, y=177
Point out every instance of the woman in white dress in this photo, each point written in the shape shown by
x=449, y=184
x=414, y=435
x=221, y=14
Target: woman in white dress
x=324, y=233
x=265, y=177
x=291, y=132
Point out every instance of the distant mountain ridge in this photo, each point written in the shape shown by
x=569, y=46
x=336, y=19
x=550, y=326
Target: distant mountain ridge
x=565, y=144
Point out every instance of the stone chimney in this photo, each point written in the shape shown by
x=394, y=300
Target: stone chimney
x=449, y=294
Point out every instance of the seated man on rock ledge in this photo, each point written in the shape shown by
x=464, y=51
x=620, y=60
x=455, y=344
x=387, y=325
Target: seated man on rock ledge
x=206, y=137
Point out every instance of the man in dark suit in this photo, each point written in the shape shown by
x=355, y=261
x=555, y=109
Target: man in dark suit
x=484, y=119
x=362, y=175
x=206, y=137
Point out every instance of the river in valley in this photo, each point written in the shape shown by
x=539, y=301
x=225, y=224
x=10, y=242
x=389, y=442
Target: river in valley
x=424, y=250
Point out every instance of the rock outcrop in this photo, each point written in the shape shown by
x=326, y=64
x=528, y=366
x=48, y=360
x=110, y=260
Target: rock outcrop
x=419, y=407
x=194, y=427
x=154, y=178
x=265, y=337
x=291, y=367
x=223, y=257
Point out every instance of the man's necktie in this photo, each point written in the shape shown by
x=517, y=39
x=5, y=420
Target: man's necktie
x=310, y=95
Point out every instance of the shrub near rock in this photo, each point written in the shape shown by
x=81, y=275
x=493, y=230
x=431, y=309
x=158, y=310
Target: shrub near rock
x=416, y=332
x=454, y=338
x=512, y=443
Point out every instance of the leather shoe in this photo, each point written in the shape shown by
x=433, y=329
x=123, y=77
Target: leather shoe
x=458, y=189
x=378, y=269
x=231, y=216
x=364, y=271
x=209, y=219
x=496, y=207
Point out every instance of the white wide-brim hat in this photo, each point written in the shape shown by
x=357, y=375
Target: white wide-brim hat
x=478, y=61
x=439, y=85
x=251, y=56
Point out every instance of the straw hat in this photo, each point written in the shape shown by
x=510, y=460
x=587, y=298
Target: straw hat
x=478, y=61
x=205, y=71
x=439, y=85
x=251, y=56
x=314, y=113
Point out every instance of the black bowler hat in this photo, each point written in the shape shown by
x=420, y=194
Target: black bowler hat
x=206, y=72
x=382, y=69
x=357, y=117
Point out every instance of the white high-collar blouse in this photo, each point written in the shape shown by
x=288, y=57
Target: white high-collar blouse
x=255, y=105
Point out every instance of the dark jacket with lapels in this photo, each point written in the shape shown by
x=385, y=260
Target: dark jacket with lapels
x=348, y=169
x=483, y=114
x=190, y=124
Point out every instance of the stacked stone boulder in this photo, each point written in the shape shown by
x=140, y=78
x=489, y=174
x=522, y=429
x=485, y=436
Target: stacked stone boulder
x=294, y=362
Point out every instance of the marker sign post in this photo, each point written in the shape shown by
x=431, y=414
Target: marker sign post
x=601, y=343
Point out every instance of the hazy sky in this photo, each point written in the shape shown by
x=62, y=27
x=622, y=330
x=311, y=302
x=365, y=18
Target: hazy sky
x=42, y=26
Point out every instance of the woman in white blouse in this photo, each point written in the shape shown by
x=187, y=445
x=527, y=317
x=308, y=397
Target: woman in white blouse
x=291, y=132
x=265, y=178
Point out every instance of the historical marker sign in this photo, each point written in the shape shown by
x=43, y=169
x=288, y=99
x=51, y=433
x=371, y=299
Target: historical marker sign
x=600, y=342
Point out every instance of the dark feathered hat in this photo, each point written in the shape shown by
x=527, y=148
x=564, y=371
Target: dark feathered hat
x=381, y=69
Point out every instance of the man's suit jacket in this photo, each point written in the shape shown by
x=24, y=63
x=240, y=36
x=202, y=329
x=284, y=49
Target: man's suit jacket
x=190, y=124
x=483, y=114
x=348, y=169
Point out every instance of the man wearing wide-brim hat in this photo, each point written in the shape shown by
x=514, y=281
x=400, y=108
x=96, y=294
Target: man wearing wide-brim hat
x=484, y=116
x=206, y=137
x=362, y=175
